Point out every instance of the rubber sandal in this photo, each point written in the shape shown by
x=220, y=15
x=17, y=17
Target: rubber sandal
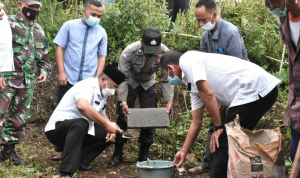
x=197, y=170
x=58, y=156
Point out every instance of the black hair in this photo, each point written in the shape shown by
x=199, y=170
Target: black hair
x=208, y=4
x=170, y=57
x=92, y=2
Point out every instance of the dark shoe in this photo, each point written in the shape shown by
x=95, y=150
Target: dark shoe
x=143, y=158
x=61, y=175
x=85, y=167
x=9, y=153
x=115, y=160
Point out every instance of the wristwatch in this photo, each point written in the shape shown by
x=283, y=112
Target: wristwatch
x=122, y=103
x=215, y=128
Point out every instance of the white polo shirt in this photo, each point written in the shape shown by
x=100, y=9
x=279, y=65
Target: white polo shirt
x=6, y=51
x=234, y=81
x=67, y=109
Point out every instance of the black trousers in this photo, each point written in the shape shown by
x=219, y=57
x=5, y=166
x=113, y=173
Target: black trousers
x=62, y=90
x=208, y=155
x=177, y=5
x=250, y=114
x=72, y=135
x=147, y=99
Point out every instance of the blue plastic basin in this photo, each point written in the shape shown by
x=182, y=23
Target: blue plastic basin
x=155, y=169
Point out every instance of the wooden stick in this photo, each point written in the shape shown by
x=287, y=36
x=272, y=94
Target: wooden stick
x=296, y=164
x=281, y=64
x=273, y=58
x=180, y=34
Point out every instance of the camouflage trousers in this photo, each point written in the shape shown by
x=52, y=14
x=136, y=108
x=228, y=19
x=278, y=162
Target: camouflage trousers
x=17, y=102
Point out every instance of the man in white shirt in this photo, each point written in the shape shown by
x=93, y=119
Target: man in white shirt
x=80, y=124
x=6, y=51
x=244, y=87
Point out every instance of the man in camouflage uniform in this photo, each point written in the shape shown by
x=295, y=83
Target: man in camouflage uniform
x=140, y=62
x=30, y=48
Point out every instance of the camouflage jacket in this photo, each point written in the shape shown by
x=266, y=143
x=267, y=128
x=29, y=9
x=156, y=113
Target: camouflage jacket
x=30, y=47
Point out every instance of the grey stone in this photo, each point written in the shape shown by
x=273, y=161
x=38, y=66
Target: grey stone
x=148, y=118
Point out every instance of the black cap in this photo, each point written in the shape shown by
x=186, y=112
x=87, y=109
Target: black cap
x=114, y=74
x=152, y=41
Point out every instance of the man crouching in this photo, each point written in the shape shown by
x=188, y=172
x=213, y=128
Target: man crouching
x=79, y=122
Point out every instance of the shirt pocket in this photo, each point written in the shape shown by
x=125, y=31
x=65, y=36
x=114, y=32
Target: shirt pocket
x=155, y=67
x=137, y=64
x=18, y=44
x=39, y=47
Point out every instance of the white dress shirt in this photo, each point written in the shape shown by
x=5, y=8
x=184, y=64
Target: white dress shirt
x=234, y=81
x=294, y=28
x=6, y=51
x=67, y=108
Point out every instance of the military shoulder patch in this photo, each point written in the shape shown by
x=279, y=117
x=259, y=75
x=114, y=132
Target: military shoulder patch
x=125, y=54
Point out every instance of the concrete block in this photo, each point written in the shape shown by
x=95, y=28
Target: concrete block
x=148, y=118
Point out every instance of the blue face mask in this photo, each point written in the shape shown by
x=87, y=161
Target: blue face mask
x=209, y=26
x=278, y=12
x=174, y=81
x=92, y=21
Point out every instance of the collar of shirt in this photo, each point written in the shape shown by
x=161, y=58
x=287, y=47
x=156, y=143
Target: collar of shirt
x=98, y=90
x=140, y=51
x=82, y=20
x=215, y=36
x=20, y=18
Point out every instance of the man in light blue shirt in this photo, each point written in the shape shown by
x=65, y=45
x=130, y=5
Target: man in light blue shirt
x=220, y=37
x=81, y=50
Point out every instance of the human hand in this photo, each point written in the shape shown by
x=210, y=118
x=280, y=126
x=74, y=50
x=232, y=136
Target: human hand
x=125, y=111
x=179, y=158
x=215, y=140
x=2, y=83
x=62, y=78
x=42, y=78
x=112, y=128
x=110, y=137
x=169, y=107
x=221, y=107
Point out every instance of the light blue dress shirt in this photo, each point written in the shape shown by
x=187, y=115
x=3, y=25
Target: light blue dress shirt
x=227, y=40
x=82, y=45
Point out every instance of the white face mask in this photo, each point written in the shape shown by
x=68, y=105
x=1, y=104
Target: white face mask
x=106, y=92
x=209, y=26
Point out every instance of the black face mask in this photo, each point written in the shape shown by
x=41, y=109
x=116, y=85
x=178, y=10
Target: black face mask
x=30, y=13
x=148, y=55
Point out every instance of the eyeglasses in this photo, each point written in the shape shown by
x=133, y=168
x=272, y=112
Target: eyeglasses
x=110, y=84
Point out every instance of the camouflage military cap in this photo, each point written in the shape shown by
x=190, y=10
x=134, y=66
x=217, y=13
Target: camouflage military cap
x=31, y=2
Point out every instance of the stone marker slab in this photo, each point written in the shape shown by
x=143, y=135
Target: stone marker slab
x=141, y=118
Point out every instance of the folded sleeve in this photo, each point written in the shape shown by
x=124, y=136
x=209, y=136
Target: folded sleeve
x=102, y=47
x=196, y=101
x=62, y=36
